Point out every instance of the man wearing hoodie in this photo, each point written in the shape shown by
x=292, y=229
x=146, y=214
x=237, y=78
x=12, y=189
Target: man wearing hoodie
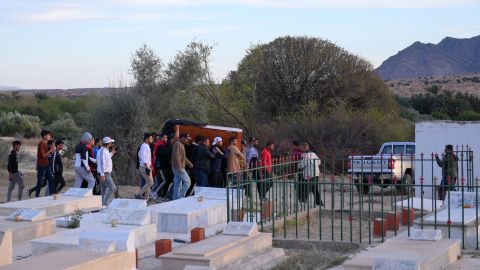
x=81, y=166
x=162, y=161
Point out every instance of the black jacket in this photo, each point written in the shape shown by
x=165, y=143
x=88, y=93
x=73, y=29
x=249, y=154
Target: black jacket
x=202, y=158
x=55, y=162
x=13, y=162
x=163, y=157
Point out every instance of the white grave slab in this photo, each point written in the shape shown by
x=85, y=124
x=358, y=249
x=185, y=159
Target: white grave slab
x=416, y=203
x=221, y=194
x=28, y=215
x=426, y=235
x=96, y=245
x=395, y=264
x=79, y=192
x=241, y=228
x=126, y=237
x=128, y=204
x=129, y=217
x=454, y=198
x=180, y=216
x=440, y=221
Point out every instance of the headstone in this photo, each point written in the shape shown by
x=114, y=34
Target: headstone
x=130, y=217
x=454, y=198
x=241, y=228
x=78, y=192
x=128, y=204
x=221, y=194
x=28, y=215
x=425, y=234
x=395, y=264
x=96, y=245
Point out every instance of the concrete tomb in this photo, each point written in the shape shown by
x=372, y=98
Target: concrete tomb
x=240, y=228
x=79, y=192
x=6, y=250
x=63, y=205
x=94, y=227
x=27, y=215
x=24, y=231
x=180, y=216
x=425, y=234
x=456, y=221
x=128, y=204
x=217, y=252
x=395, y=264
x=400, y=251
x=129, y=217
x=416, y=203
x=77, y=260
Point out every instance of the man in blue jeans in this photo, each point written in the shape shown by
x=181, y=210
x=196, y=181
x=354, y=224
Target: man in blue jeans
x=104, y=168
x=181, y=180
x=45, y=148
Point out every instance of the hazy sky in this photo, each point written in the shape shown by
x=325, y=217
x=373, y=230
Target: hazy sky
x=87, y=43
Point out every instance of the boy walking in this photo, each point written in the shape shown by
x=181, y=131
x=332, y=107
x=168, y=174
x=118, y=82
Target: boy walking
x=56, y=164
x=45, y=148
x=14, y=175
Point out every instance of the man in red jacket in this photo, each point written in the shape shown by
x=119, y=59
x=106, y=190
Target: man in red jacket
x=267, y=169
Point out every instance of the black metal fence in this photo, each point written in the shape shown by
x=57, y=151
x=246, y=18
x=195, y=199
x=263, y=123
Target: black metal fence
x=346, y=198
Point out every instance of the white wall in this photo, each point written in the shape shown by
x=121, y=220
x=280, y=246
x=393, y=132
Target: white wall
x=432, y=136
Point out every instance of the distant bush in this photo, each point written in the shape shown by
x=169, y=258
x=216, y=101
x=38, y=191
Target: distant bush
x=440, y=115
x=4, y=151
x=468, y=116
x=65, y=128
x=15, y=123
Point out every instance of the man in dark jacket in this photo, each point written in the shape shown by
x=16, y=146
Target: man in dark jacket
x=56, y=165
x=216, y=176
x=190, y=149
x=201, y=162
x=163, y=166
x=14, y=175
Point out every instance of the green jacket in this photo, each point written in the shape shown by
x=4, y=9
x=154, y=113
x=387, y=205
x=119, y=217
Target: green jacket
x=449, y=165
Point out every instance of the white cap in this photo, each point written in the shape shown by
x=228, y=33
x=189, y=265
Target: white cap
x=107, y=140
x=216, y=140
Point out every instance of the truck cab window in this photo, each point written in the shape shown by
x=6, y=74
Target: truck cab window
x=387, y=150
x=410, y=149
x=398, y=149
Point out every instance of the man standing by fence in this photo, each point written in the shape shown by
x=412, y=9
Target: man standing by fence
x=266, y=163
x=449, y=165
x=309, y=164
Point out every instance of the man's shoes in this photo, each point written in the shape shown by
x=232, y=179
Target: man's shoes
x=30, y=191
x=138, y=197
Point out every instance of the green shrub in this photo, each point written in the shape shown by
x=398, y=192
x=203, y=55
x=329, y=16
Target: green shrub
x=15, y=123
x=468, y=116
x=440, y=115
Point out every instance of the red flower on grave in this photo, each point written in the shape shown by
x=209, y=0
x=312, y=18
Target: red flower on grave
x=449, y=222
x=350, y=219
x=324, y=190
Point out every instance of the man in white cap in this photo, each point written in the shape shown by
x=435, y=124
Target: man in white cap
x=82, y=169
x=216, y=163
x=105, y=167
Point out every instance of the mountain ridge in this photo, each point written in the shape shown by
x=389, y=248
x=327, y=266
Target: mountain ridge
x=451, y=56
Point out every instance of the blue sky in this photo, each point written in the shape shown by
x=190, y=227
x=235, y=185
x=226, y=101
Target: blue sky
x=86, y=43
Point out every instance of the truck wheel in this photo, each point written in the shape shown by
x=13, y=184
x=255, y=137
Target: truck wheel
x=406, y=182
x=364, y=189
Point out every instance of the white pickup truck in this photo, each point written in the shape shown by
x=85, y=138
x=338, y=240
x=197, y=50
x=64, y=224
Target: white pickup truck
x=394, y=163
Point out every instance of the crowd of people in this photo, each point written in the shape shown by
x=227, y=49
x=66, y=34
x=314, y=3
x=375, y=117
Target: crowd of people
x=169, y=168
